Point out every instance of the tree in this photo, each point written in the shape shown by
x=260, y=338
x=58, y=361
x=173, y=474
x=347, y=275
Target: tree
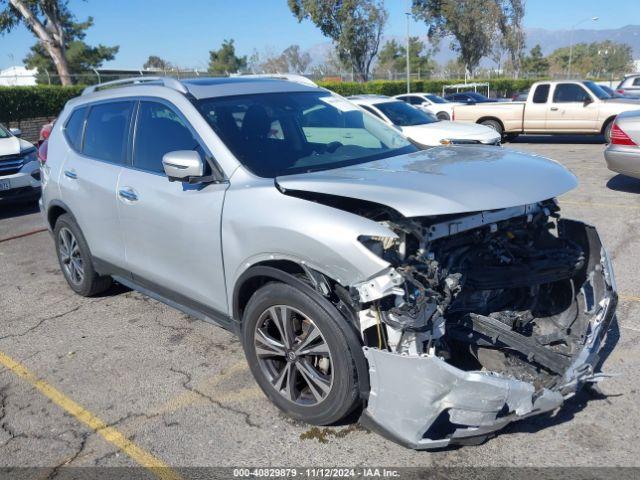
x=156, y=63
x=393, y=57
x=296, y=61
x=354, y=26
x=291, y=60
x=471, y=22
x=594, y=59
x=509, y=18
x=535, y=62
x=224, y=61
x=61, y=46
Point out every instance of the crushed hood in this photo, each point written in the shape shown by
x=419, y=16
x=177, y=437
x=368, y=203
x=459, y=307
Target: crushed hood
x=443, y=180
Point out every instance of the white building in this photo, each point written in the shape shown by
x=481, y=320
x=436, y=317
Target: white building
x=13, y=76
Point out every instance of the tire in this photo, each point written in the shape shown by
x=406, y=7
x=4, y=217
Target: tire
x=607, y=132
x=289, y=376
x=75, y=259
x=496, y=125
x=443, y=116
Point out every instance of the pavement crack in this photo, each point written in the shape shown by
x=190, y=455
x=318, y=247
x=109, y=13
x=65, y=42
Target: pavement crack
x=43, y=320
x=186, y=385
x=69, y=460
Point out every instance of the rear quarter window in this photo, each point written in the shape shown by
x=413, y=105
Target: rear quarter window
x=74, y=127
x=107, y=131
x=541, y=94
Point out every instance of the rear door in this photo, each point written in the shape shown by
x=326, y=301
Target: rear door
x=171, y=229
x=536, y=109
x=568, y=111
x=98, y=137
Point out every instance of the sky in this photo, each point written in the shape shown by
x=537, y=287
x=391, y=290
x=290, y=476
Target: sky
x=183, y=32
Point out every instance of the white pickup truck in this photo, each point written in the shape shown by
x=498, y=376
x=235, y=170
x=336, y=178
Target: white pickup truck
x=552, y=107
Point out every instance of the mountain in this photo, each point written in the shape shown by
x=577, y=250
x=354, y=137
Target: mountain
x=549, y=40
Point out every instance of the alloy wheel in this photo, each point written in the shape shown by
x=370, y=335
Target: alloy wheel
x=70, y=256
x=294, y=355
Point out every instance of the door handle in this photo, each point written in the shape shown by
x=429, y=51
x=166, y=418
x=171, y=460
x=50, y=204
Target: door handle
x=554, y=109
x=70, y=174
x=128, y=194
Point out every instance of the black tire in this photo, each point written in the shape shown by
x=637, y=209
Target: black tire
x=90, y=283
x=607, y=131
x=443, y=116
x=343, y=394
x=496, y=125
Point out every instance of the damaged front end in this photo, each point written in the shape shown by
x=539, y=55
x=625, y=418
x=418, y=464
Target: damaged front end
x=481, y=319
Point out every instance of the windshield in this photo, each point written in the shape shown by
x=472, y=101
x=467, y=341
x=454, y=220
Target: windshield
x=404, y=115
x=436, y=98
x=596, y=90
x=274, y=134
x=4, y=133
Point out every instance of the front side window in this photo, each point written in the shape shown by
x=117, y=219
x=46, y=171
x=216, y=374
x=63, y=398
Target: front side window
x=73, y=128
x=636, y=82
x=569, y=92
x=275, y=134
x=159, y=130
x=541, y=95
x=403, y=115
x=107, y=130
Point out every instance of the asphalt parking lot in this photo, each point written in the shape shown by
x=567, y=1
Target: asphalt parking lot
x=120, y=380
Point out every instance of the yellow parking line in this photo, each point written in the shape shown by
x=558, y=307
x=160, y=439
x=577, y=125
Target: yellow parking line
x=159, y=468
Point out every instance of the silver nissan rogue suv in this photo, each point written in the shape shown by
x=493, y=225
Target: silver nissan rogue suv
x=436, y=292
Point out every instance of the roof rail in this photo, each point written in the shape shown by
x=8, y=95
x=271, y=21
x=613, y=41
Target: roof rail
x=165, y=81
x=291, y=77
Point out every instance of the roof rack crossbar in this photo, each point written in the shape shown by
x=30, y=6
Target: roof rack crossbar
x=165, y=81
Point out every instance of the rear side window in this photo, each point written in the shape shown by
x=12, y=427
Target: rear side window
x=159, y=130
x=541, y=94
x=107, y=130
x=636, y=82
x=73, y=128
x=569, y=92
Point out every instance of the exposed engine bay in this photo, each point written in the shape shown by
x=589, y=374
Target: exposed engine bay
x=513, y=295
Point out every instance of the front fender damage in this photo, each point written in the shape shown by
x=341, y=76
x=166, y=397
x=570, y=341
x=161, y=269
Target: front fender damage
x=460, y=351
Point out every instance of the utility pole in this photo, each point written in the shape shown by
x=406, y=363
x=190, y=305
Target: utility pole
x=593, y=19
x=408, y=14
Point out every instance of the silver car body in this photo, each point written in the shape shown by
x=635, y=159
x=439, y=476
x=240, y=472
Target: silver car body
x=193, y=247
x=625, y=159
x=630, y=86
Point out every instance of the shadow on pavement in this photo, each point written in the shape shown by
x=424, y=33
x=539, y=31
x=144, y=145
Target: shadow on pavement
x=559, y=139
x=12, y=210
x=622, y=183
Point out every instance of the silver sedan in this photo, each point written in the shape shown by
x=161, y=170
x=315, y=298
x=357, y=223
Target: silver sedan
x=623, y=153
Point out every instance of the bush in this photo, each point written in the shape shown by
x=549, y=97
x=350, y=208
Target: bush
x=19, y=103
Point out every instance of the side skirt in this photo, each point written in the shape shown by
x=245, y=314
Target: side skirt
x=166, y=296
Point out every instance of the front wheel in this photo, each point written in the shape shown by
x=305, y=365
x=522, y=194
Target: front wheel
x=298, y=354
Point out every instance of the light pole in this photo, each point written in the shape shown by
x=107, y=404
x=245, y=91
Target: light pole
x=407, y=47
x=593, y=19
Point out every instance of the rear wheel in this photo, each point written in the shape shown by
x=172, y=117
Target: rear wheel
x=75, y=259
x=496, y=125
x=298, y=354
x=443, y=116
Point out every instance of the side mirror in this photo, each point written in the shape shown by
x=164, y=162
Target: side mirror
x=587, y=101
x=16, y=132
x=183, y=165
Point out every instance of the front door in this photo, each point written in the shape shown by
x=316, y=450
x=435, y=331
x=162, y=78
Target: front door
x=171, y=229
x=572, y=109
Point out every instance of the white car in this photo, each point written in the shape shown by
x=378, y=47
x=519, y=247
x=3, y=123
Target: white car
x=422, y=127
x=430, y=102
x=19, y=167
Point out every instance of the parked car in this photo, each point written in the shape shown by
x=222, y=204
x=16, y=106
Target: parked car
x=438, y=106
x=552, y=107
x=19, y=168
x=623, y=153
x=469, y=98
x=437, y=290
x=520, y=96
x=630, y=86
x=422, y=127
